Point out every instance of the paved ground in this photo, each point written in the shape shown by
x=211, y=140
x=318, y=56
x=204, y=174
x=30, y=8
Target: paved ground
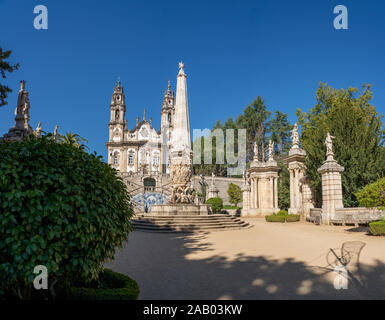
x=268, y=261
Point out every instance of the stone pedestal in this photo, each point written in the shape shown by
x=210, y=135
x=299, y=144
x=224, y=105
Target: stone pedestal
x=296, y=166
x=263, y=179
x=212, y=192
x=246, y=199
x=307, y=196
x=331, y=188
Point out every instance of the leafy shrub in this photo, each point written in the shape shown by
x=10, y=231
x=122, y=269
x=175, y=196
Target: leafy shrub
x=282, y=216
x=372, y=195
x=292, y=217
x=59, y=207
x=216, y=204
x=377, y=228
x=235, y=193
x=275, y=218
x=110, y=286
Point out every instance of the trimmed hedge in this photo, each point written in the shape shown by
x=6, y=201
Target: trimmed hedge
x=293, y=217
x=377, y=228
x=283, y=218
x=110, y=286
x=275, y=218
x=216, y=204
x=282, y=213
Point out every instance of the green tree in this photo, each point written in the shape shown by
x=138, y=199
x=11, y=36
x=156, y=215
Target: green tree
x=280, y=129
x=283, y=186
x=235, y=194
x=372, y=195
x=254, y=119
x=359, y=143
x=5, y=66
x=73, y=139
x=61, y=207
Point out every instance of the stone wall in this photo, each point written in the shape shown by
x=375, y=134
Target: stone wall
x=222, y=184
x=349, y=215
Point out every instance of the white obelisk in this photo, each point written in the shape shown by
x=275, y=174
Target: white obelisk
x=180, y=137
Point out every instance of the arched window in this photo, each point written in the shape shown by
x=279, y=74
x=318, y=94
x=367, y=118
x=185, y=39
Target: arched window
x=169, y=117
x=115, y=158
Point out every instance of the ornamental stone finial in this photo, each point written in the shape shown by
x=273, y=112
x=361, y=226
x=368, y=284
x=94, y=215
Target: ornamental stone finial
x=181, y=67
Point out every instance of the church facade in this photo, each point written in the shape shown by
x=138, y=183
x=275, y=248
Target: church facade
x=142, y=149
x=141, y=154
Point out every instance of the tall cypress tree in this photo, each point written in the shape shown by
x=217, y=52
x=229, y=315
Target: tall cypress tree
x=359, y=138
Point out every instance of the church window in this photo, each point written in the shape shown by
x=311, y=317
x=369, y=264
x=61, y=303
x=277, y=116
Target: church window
x=156, y=160
x=117, y=115
x=116, y=160
x=169, y=117
x=130, y=159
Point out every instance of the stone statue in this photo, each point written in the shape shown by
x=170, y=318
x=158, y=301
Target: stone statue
x=294, y=136
x=55, y=133
x=38, y=130
x=255, y=151
x=271, y=150
x=203, y=185
x=329, y=144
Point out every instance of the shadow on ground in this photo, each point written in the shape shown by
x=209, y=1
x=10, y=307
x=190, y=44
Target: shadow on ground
x=165, y=267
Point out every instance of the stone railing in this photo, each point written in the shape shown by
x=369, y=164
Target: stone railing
x=348, y=215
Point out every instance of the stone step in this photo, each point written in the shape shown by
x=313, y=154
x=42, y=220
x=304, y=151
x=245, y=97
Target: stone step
x=187, y=223
x=163, y=222
x=189, y=229
x=187, y=219
x=200, y=218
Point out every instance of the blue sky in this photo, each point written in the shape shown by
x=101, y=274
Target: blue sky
x=233, y=51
